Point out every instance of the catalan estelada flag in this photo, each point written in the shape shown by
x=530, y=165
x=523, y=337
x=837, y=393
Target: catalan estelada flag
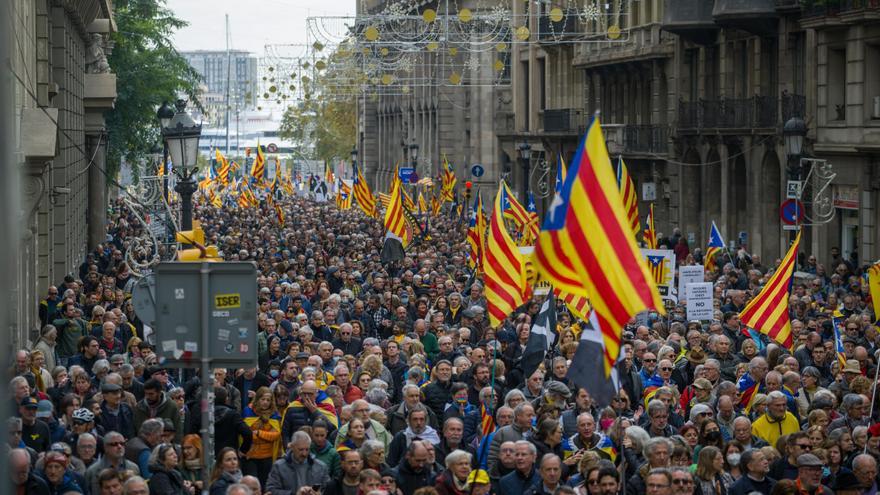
x=506, y=287
x=395, y=223
x=258, y=169
x=513, y=209
x=560, y=173
x=533, y=227
x=363, y=195
x=448, y=181
x=748, y=388
x=657, y=265
x=768, y=311
x=716, y=244
x=486, y=420
x=586, y=246
x=650, y=234
x=476, y=235
x=629, y=195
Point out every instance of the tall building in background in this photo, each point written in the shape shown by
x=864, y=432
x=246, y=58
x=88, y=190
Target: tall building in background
x=242, y=78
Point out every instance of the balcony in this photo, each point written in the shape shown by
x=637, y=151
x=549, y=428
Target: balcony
x=645, y=139
x=818, y=13
x=755, y=16
x=691, y=20
x=757, y=112
x=793, y=106
x=561, y=31
x=564, y=121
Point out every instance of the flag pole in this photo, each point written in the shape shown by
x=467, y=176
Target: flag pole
x=873, y=396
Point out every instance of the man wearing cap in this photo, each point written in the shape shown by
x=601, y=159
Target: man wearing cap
x=115, y=414
x=34, y=433
x=478, y=483
x=809, y=480
x=59, y=479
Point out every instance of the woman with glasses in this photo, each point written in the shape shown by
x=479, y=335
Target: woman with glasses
x=192, y=464
x=810, y=378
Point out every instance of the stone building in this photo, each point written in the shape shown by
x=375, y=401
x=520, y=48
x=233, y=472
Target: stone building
x=62, y=86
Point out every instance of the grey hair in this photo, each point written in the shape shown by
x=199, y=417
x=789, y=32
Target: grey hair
x=513, y=393
x=532, y=449
x=461, y=360
x=652, y=444
x=775, y=395
x=377, y=384
x=85, y=436
x=755, y=362
x=13, y=423
x=639, y=437
x=376, y=396
x=456, y=456
x=100, y=365
x=239, y=489
x=369, y=447
x=301, y=436
x=713, y=361
x=310, y=368
x=132, y=481
x=850, y=401
x=410, y=386
x=655, y=406
x=152, y=426
x=126, y=368
x=811, y=371
x=17, y=380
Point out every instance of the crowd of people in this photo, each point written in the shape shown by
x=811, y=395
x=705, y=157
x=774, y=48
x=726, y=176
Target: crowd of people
x=388, y=379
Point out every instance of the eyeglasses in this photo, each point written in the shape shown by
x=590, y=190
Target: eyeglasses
x=666, y=368
x=593, y=482
x=649, y=360
x=682, y=482
x=805, y=446
x=656, y=486
x=114, y=444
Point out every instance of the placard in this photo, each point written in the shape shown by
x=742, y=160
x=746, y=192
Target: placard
x=699, y=301
x=661, y=265
x=689, y=274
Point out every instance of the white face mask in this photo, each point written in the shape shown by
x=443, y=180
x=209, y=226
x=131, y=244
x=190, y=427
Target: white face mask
x=733, y=459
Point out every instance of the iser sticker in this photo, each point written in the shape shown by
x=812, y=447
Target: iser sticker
x=223, y=301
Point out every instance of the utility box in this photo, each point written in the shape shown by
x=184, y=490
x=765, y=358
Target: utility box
x=206, y=307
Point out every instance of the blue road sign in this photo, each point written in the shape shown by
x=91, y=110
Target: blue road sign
x=477, y=170
x=406, y=173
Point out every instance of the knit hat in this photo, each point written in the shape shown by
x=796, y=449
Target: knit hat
x=57, y=457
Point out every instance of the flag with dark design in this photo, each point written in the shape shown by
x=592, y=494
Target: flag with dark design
x=541, y=337
x=587, y=368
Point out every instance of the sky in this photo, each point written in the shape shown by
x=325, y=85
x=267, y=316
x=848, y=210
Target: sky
x=252, y=24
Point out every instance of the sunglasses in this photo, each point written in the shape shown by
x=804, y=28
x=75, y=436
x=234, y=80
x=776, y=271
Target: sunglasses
x=804, y=446
x=666, y=368
x=649, y=360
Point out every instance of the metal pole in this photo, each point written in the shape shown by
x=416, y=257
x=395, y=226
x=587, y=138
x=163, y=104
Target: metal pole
x=207, y=430
x=165, y=168
x=228, y=81
x=526, y=166
x=873, y=396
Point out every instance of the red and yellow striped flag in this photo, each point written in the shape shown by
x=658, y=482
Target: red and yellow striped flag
x=476, y=235
x=362, y=193
x=506, y=287
x=578, y=305
x=768, y=311
x=650, y=233
x=395, y=223
x=586, y=246
x=259, y=166
x=448, y=181
x=223, y=172
x=629, y=196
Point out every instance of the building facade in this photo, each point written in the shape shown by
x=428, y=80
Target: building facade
x=237, y=67
x=62, y=85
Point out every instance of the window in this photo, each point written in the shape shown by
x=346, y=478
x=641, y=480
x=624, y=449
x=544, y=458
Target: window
x=836, y=90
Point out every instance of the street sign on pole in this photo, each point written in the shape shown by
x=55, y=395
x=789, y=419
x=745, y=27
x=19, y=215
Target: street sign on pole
x=477, y=170
x=793, y=189
x=405, y=174
x=206, y=316
x=791, y=212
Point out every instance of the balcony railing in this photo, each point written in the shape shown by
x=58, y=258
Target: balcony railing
x=793, y=106
x=815, y=8
x=729, y=113
x=549, y=31
x=569, y=120
x=644, y=139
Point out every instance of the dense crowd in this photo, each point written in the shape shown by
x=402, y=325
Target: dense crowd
x=387, y=379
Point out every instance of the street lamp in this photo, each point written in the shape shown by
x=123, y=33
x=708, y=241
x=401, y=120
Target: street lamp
x=525, y=156
x=413, y=155
x=165, y=113
x=354, y=155
x=793, y=133
x=182, y=139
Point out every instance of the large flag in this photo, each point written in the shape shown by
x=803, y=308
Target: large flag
x=223, y=172
x=448, y=181
x=505, y=279
x=768, y=311
x=650, y=233
x=476, y=235
x=589, y=368
x=541, y=337
x=363, y=194
x=395, y=223
x=716, y=244
x=874, y=290
x=586, y=246
x=629, y=196
x=259, y=166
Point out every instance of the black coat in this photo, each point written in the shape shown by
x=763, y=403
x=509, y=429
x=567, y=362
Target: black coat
x=165, y=482
x=228, y=426
x=437, y=395
x=409, y=480
x=260, y=380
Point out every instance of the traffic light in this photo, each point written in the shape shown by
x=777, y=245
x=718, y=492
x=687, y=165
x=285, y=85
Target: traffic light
x=196, y=237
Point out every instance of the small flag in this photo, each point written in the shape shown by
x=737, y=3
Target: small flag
x=541, y=337
x=874, y=290
x=486, y=420
x=363, y=195
x=513, y=209
x=395, y=223
x=588, y=367
x=533, y=227
x=448, y=181
x=838, y=342
x=259, y=166
x=476, y=235
x=650, y=233
x=748, y=389
x=716, y=244
x=768, y=311
x=629, y=196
